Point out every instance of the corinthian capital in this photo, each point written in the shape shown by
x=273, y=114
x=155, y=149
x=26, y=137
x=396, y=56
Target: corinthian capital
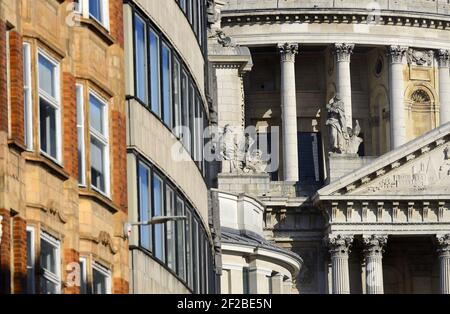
x=339, y=245
x=443, y=57
x=374, y=244
x=397, y=53
x=443, y=244
x=343, y=51
x=288, y=52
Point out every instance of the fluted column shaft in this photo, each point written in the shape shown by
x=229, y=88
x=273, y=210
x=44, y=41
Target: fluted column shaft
x=444, y=260
x=396, y=95
x=289, y=111
x=343, y=54
x=444, y=85
x=339, y=249
x=373, y=254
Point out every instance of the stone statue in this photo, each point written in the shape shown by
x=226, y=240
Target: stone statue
x=444, y=169
x=235, y=154
x=343, y=140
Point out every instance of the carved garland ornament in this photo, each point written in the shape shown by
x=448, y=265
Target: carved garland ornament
x=105, y=239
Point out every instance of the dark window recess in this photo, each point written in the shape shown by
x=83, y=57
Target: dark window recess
x=310, y=158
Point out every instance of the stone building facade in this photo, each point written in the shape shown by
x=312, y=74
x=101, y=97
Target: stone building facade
x=358, y=183
x=63, y=153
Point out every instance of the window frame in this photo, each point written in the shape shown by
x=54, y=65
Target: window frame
x=171, y=246
x=83, y=275
x=105, y=271
x=104, y=140
x=158, y=227
x=146, y=70
x=81, y=128
x=45, y=274
x=28, y=96
x=54, y=102
x=84, y=10
x=149, y=201
x=31, y=276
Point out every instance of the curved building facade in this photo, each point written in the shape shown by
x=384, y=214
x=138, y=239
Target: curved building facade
x=356, y=185
x=167, y=111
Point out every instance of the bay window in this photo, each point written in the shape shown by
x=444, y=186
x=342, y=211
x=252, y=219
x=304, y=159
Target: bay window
x=49, y=107
x=97, y=10
x=99, y=143
x=50, y=265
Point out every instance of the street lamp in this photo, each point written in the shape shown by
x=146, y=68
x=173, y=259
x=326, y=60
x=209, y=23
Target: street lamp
x=154, y=221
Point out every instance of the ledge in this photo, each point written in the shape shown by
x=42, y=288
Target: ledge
x=98, y=29
x=99, y=198
x=50, y=165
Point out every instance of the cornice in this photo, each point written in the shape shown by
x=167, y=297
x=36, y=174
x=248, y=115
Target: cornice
x=394, y=18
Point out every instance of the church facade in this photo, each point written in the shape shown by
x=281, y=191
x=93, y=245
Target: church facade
x=347, y=107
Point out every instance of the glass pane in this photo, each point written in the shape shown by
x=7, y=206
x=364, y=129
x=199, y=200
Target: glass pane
x=83, y=283
x=154, y=72
x=48, y=287
x=181, y=243
x=167, y=97
x=96, y=113
x=47, y=123
x=95, y=9
x=100, y=282
x=170, y=232
x=144, y=207
x=141, y=59
x=30, y=262
x=47, y=76
x=97, y=164
x=185, y=109
x=177, y=93
x=48, y=256
x=80, y=135
x=189, y=248
x=158, y=211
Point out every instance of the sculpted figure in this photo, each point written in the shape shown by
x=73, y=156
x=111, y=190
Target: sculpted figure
x=343, y=140
x=255, y=162
x=233, y=151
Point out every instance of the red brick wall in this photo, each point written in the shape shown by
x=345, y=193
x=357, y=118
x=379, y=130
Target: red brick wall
x=16, y=87
x=5, y=253
x=120, y=286
x=116, y=20
x=70, y=125
x=20, y=255
x=3, y=96
x=70, y=256
x=119, y=188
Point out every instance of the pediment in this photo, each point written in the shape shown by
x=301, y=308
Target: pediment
x=420, y=167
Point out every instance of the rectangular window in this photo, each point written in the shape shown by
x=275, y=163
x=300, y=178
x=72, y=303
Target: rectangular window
x=99, y=143
x=190, y=10
x=98, y=10
x=101, y=279
x=27, y=96
x=177, y=96
x=158, y=198
x=144, y=206
x=183, y=5
x=181, y=240
x=141, y=71
x=170, y=228
x=83, y=275
x=246, y=280
x=155, y=73
x=166, y=84
x=195, y=257
x=195, y=16
x=185, y=111
x=49, y=107
x=192, y=119
x=80, y=133
x=50, y=265
x=30, y=261
x=189, y=261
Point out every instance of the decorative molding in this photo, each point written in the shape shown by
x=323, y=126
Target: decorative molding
x=443, y=58
x=443, y=244
x=288, y=51
x=339, y=245
x=343, y=51
x=103, y=238
x=374, y=245
x=397, y=54
x=420, y=57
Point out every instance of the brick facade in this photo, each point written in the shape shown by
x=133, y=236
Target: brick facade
x=70, y=256
x=16, y=87
x=70, y=125
x=3, y=79
x=116, y=11
x=119, y=188
x=20, y=255
x=5, y=253
x=120, y=286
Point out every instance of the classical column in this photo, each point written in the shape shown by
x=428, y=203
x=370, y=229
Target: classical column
x=396, y=95
x=373, y=254
x=289, y=111
x=343, y=53
x=443, y=242
x=443, y=57
x=339, y=247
